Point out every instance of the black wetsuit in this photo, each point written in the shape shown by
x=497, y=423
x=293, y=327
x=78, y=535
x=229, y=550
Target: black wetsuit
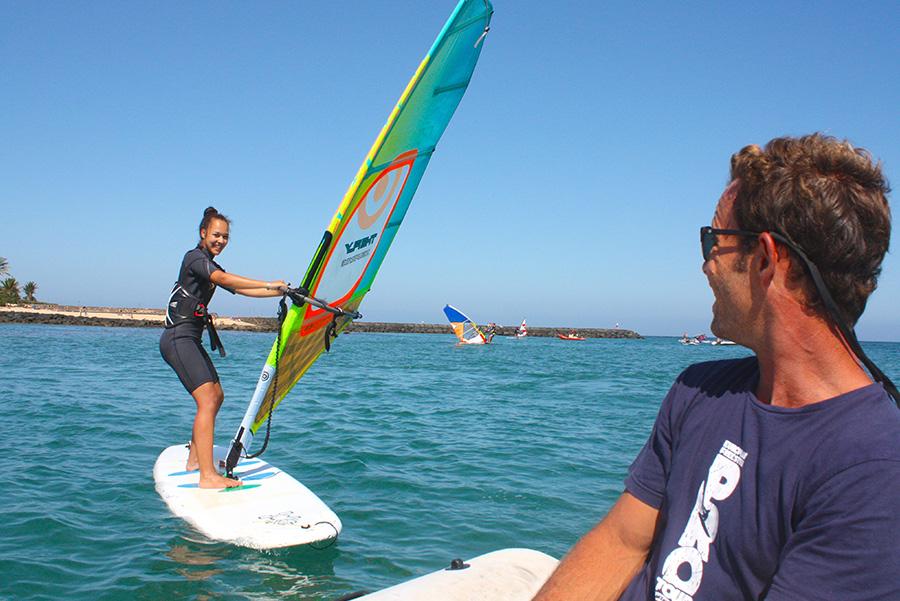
x=180, y=343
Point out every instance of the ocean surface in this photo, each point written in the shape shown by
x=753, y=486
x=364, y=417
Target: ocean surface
x=427, y=452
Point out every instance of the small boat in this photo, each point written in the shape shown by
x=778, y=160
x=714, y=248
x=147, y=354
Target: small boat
x=722, y=342
x=569, y=336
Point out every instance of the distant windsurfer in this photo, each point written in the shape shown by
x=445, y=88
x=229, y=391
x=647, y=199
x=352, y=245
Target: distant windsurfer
x=491, y=330
x=187, y=314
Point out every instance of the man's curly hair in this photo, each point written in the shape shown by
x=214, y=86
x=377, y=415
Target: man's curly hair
x=829, y=198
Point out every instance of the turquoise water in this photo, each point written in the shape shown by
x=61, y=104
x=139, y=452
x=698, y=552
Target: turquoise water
x=426, y=451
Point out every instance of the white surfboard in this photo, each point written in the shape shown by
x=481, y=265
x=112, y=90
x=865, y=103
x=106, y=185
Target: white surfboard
x=504, y=575
x=270, y=510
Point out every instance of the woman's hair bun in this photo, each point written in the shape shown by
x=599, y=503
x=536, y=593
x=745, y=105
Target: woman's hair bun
x=209, y=214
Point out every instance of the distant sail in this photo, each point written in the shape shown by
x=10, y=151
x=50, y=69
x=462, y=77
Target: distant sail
x=464, y=328
x=366, y=221
x=522, y=332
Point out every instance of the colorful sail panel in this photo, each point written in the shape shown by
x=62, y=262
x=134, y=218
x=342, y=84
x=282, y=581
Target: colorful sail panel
x=364, y=225
x=522, y=330
x=465, y=329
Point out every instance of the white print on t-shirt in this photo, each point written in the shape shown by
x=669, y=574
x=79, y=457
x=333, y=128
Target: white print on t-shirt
x=682, y=570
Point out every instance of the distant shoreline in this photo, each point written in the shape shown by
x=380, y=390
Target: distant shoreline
x=40, y=313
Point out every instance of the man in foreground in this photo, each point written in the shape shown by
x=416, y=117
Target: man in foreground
x=777, y=476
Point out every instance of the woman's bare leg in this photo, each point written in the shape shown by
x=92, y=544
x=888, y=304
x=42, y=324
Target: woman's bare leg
x=209, y=398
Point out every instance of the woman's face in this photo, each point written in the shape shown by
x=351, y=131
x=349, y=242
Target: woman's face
x=215, y=237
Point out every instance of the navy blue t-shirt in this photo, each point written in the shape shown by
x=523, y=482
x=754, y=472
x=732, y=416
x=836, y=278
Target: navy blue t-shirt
x=762, y=502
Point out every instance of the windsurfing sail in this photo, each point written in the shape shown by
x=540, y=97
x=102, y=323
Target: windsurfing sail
x=522, y=332
x=360, y=233
x=464, y=328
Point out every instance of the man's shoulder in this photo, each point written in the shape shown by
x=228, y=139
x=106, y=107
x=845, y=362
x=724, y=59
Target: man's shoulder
x=710, y=385
x=853, y=448
x=861, y=426
x=722, y=376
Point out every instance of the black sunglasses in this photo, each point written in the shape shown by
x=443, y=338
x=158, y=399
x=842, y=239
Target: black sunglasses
x=709, y=239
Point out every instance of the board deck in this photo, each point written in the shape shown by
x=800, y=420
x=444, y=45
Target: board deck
x=270, y=510
x=504, y=575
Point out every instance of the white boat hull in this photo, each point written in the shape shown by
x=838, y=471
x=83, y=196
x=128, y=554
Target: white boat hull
x=504, y=575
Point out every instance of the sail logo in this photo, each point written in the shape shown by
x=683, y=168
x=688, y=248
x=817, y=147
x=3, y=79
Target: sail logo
x=682, y=571
x=360, y=244
x=363, y=230
x=382, y=192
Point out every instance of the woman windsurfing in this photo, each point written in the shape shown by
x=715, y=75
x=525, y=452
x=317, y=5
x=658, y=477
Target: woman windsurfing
x=180, y=344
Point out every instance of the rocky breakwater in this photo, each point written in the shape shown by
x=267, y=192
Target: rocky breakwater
x=74, y=320
x=269, y=324
x=154, y=318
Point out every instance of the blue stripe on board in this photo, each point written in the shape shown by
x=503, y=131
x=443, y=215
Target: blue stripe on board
x=257, y=476
x=241, y=464
x=245, y=486
x=185, y=473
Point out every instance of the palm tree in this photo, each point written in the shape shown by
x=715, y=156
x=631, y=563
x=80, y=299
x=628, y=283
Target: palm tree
x=4, y=266
x=10, y=289
x=29, y=289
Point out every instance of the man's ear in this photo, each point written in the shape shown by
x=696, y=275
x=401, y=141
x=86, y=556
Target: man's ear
x=767, y=251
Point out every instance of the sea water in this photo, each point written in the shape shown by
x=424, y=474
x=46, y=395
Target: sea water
x=427, y=451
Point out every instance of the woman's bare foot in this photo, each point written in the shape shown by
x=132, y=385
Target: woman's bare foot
x=217, y=481
x=191, y=467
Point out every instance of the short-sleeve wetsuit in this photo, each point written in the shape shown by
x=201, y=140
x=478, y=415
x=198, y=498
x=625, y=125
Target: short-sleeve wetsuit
x=180, y=343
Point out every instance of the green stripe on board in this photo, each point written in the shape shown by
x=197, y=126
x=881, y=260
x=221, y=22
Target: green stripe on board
x=243, y=487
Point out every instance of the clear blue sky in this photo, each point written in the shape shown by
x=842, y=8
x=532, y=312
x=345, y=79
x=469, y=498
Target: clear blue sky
x=569, y=188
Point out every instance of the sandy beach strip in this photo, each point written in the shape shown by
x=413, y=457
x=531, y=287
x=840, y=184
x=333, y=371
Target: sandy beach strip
x=154, y=317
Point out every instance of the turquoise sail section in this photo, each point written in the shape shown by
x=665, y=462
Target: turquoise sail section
x=366, y=221
x=422, y=119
